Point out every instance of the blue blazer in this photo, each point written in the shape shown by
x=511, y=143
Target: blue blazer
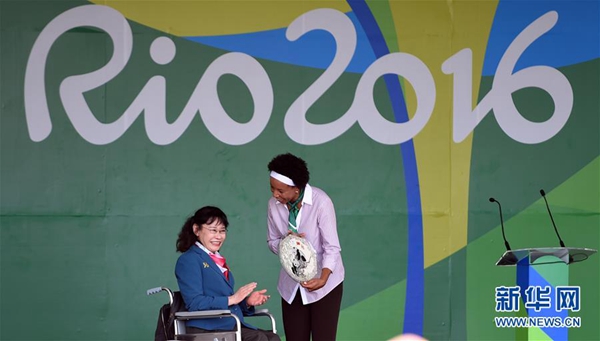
x=204, y=287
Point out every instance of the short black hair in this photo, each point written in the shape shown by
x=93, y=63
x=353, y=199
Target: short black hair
x=291, y=166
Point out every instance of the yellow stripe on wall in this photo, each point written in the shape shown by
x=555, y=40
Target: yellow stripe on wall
x=217, y=17
x=434, y=31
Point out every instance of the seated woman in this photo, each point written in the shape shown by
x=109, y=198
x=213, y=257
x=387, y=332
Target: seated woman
x=206, y=282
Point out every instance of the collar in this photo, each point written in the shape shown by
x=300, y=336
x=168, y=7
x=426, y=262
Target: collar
x=198, y=244
x=308, y=197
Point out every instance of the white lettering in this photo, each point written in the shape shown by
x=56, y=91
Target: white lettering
x=36, y=104
x=371, y=121
x=505, y=83
x=151, y=100
x=206, y=98
x=342, y=30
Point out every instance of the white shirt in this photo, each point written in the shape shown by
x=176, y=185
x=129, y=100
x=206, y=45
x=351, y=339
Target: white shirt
x=317, y=221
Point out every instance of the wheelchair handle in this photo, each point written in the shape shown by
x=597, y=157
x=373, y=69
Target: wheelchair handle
x=156, y=290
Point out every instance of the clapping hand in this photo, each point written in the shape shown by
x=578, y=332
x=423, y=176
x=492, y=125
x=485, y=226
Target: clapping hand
x=257, y=298
x=242, y=293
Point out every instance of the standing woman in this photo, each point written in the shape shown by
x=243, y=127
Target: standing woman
x=206, y=282
x=310, y=307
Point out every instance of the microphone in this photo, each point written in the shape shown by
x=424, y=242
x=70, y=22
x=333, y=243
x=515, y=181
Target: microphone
x=501, y=223
x=562, y=244
x=508, y=258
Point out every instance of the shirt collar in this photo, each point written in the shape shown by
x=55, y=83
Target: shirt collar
x=308, y=192
x=205, y=249
x=308, y=196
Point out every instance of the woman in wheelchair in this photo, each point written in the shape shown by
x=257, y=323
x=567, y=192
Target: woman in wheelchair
x=206, y=282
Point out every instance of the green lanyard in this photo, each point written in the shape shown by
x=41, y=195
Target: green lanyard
x=294, y=210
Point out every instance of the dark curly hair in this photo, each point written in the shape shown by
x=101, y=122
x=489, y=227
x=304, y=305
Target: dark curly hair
x=205, y=215
x=291, y=166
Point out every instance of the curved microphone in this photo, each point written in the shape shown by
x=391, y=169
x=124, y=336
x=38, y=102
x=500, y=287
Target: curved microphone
x=562, y=244
x=501, y=224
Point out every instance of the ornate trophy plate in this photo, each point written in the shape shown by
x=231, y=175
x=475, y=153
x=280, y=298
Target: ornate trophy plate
x=298, y=258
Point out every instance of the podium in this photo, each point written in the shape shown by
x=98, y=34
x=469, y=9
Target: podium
x=545, y=296
x=566, y=255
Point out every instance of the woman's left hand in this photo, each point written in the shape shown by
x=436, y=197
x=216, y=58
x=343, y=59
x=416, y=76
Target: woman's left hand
x=257, y=298
x=317, y=283
x=314, y=284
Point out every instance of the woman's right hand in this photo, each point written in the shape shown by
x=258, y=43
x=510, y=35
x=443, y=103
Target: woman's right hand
x=241, y=293
x=301, y=235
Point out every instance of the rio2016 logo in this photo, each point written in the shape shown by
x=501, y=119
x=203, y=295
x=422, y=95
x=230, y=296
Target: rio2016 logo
x=151, y=99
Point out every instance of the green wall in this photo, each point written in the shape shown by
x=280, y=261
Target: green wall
x=86, y=229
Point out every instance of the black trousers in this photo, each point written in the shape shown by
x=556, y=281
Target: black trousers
x=247, y=334
x=319, y=318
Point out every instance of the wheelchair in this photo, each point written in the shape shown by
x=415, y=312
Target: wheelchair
x=173, y=315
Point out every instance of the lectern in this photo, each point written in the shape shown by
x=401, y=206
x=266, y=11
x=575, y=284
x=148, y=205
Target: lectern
x=545, y=295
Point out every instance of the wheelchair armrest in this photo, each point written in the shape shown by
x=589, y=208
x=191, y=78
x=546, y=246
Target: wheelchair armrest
x=265, y=312
x=193, y=315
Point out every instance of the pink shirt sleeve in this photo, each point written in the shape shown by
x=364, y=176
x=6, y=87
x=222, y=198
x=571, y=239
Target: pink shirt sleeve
x=318, y=223
x=274, y=235
x=330, y=242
